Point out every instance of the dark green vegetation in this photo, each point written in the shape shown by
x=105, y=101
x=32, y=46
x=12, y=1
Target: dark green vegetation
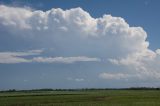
x=81, y=98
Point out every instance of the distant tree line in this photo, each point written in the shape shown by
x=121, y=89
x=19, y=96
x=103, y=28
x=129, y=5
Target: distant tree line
x=81, y=89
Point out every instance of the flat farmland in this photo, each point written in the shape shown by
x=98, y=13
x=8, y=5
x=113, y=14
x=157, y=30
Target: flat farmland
x=82, y=98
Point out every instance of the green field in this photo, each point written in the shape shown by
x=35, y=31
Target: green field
x=82, y=98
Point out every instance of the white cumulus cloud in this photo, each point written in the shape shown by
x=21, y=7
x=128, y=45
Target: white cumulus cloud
x=74, y=32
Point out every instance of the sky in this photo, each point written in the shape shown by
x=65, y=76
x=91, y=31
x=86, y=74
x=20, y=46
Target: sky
x=79, y=44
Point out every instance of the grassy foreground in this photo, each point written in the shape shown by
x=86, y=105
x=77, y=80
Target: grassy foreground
x=82, y=98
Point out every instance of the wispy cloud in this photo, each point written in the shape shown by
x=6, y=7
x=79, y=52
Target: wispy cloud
x=76, y=79
x=64, y=59
x=19, y=57
x=79, y=79
x=114, y=76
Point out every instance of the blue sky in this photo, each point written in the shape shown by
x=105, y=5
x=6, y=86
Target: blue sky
x=77, y=45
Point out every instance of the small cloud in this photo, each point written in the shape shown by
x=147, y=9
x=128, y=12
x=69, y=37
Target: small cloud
x=158, y=51
x=63, y=28
x=79, y=79
x=75, y=79
x=25, y=80
x=114, y=76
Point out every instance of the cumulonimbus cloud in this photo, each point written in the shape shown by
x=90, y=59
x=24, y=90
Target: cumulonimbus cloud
x=75, y=32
